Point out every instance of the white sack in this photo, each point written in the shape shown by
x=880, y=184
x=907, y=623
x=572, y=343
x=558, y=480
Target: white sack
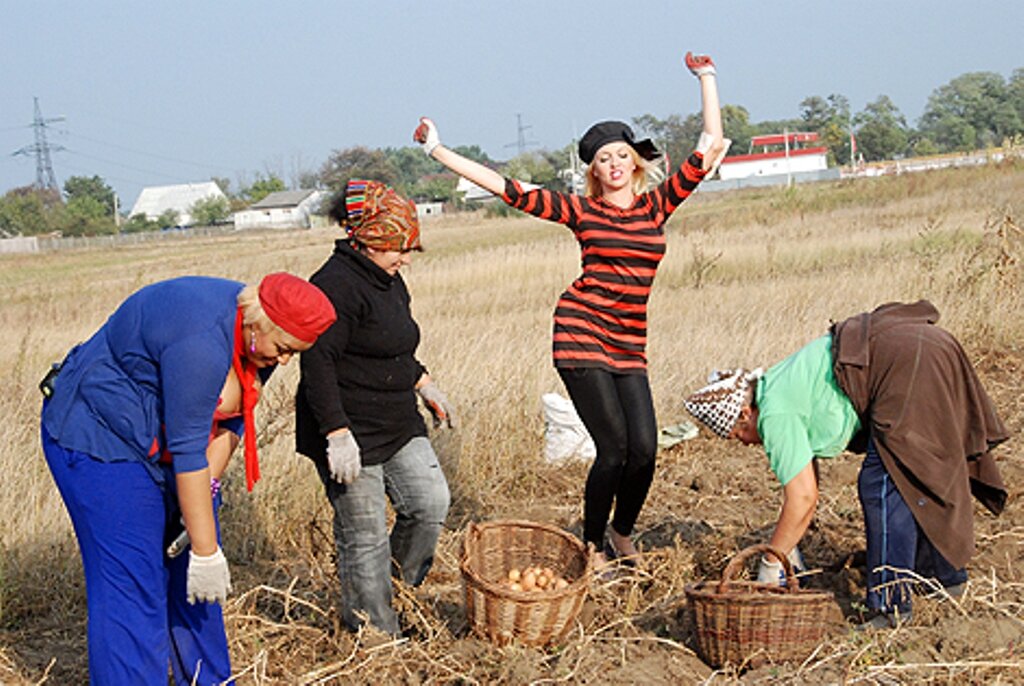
x=565, y=437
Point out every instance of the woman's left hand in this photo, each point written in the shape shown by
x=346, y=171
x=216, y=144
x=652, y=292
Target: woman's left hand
x=438, y=404
x=699, y=65
x=209, y=580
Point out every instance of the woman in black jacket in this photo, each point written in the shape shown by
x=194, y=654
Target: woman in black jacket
x=357, y=415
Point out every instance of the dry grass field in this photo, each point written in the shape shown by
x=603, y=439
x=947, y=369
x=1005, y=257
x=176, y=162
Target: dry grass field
x=749, y=277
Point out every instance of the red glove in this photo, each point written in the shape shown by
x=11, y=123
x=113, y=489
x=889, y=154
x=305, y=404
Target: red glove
x=700, y=65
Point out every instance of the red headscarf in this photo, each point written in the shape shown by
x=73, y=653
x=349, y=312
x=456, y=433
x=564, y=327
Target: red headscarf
x=301, y=310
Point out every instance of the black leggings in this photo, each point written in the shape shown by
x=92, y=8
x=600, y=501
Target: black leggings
x=618, y=411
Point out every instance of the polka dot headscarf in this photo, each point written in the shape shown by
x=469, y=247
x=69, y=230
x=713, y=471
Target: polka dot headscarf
x=718, y=404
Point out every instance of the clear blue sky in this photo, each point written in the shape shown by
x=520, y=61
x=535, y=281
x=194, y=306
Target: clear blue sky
x=162, y=92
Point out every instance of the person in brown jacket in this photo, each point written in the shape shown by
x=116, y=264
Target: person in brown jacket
x=893, y=385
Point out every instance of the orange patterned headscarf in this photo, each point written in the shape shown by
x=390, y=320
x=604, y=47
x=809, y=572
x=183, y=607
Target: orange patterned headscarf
x=380, y=218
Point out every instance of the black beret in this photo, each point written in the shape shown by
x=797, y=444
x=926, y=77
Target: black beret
x=605, y=132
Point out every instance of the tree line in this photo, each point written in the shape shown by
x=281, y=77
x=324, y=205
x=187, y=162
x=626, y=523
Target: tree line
x=973, y=111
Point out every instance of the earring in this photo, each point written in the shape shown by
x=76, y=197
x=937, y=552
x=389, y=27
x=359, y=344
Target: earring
x=252, y=340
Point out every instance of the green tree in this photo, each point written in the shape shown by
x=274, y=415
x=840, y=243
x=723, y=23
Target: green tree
x=830, y=118
x=90, y=187
x=28, y=211
x=973, y=110
x=261, y=188
x=210, y=210
x=84, y=215
x=737, y=128
x=411, y=166
x=357, y=163
x=675, y=135
x=435, y=188
x=881, y=130
x=531, y=167
x=138, y=223
x=1015, y=92
x=167, y=219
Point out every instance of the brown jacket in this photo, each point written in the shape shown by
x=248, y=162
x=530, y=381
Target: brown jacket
x=933, y=424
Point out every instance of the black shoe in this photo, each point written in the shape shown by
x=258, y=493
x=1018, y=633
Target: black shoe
x=611, y=554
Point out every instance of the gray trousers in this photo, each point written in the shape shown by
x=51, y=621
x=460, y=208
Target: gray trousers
x=367, y=555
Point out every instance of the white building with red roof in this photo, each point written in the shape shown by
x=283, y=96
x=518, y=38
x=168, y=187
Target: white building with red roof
x=777, y=154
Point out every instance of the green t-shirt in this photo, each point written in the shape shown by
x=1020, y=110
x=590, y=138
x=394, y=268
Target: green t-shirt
x=802, y=413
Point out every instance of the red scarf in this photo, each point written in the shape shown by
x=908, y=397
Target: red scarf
x=250, y=395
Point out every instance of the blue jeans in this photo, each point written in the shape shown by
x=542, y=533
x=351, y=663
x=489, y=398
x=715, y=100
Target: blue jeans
x=895, y=541
x=367, y=556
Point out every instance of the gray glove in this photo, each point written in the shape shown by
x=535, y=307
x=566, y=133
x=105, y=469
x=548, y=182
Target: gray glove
x=343, y=457
x=771, y=571
x=438, y=404
x=209, y=580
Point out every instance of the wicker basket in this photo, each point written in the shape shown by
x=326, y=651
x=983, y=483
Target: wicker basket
x=746, y=623
x=502, y=615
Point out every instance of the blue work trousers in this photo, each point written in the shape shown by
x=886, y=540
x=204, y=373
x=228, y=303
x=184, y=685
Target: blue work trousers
x=895, y=542
x=139, y=619
x=367, y=555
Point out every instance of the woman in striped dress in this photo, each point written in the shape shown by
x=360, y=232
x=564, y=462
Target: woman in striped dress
x=600, y=322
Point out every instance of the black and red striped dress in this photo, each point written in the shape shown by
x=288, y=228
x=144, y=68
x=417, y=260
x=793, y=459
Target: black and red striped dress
x=601, y=319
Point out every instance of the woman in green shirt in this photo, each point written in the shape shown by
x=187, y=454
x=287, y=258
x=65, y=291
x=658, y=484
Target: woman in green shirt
x=891, y=377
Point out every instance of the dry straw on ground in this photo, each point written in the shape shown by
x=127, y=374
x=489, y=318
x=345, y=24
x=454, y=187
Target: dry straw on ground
x=749, y=277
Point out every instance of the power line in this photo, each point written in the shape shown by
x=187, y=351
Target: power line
x=121, y=164
x=201, y=165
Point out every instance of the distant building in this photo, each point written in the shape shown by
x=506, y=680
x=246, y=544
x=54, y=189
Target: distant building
x=474, y=193
x=429, y=209
x=281, y=210
x=154, y=201
x=471, y=192
x=776, y=154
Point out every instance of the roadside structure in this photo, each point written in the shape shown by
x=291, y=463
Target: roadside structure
x=777, y=154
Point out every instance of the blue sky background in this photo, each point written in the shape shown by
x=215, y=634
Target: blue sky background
x=163, y=92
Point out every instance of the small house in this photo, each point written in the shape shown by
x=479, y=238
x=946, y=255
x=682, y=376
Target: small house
x=281, y=210
x=154, y=201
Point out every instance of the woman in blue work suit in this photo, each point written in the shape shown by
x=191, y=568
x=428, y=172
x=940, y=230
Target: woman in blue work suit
x=126, y=428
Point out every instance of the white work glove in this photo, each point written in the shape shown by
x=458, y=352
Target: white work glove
x=699, y=65
x=426, y=135
x=343, y=457
x=438, y=404
x=770, y=571
x=209, y=580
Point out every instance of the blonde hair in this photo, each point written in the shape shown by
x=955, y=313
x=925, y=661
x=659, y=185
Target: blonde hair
x=254, y=315
x=648, y=173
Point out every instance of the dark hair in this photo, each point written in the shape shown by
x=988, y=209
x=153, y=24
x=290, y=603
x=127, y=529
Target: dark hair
x=336, y=206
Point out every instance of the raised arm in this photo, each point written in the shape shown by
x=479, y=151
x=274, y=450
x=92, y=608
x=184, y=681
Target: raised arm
x=426, y=135
x=713, y=143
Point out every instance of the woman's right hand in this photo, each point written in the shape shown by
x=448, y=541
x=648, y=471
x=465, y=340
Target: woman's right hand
x=426, y=135
x=343, y=456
